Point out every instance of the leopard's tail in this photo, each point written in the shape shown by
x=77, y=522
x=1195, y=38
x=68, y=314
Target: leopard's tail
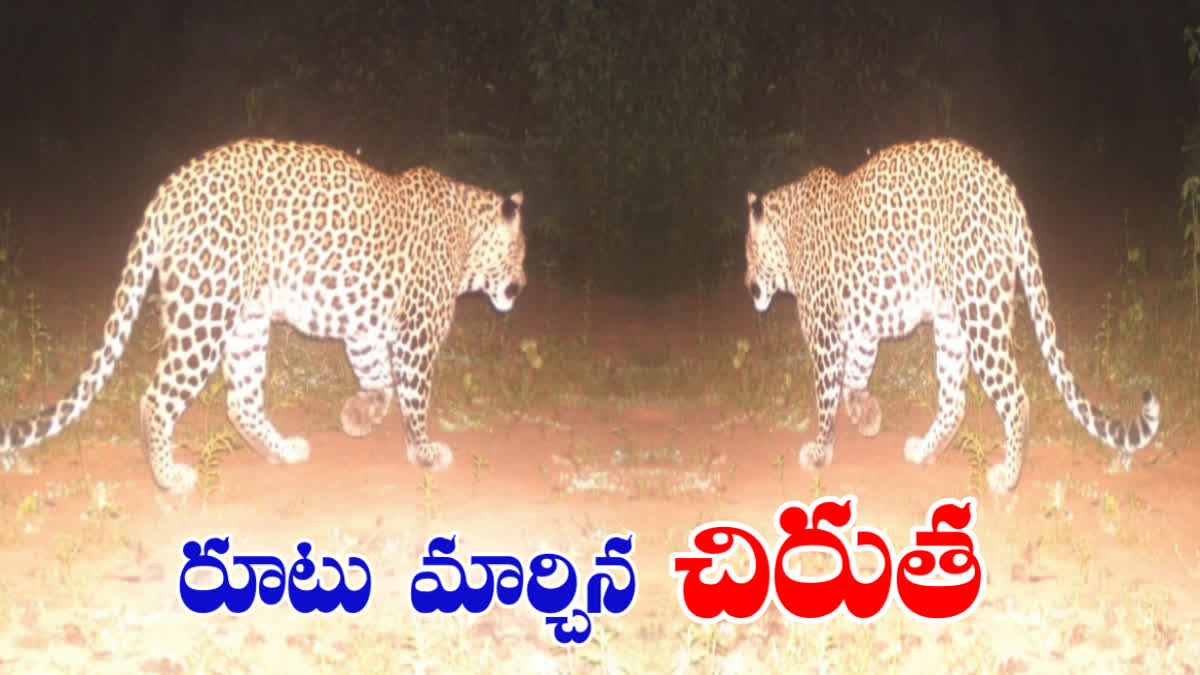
x=140, y=266
x=1125, y=437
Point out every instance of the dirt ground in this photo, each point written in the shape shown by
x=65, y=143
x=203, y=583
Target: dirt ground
x=1088, y=571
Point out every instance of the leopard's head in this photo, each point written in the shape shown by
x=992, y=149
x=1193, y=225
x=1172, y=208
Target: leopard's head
x=496, y=263
x=767, y=271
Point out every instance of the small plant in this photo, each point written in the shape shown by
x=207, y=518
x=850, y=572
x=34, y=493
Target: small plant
x=103, y=504
x=1134, y=503
x=763, y=382
x=739, y=357
x=211, y=453
x=39, y=340
x=1104, y=338
x=1083, y=551
x=8, y=269
x=1110, y=506
x=585, y=335
x=1190, y=198
x=969, y=444
x=1133, y=320
x=778, y=465
x=67, y=553
x=428, y=491
x=1126, y=326
x=31, y=505
x=529, y=347
x=479, y=463
x=818, y=487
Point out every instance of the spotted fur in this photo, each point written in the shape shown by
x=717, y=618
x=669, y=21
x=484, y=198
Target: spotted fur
x=259, y=231
x=923, y=231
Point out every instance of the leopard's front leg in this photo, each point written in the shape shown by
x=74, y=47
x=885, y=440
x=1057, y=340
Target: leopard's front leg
x=828, y=356
x=370, y=358
x=412, y=359
x=861, y=407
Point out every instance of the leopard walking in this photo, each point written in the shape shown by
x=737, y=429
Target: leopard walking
x=260, y=230
x=924, y=231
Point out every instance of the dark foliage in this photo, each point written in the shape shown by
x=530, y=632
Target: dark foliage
x=634, y=126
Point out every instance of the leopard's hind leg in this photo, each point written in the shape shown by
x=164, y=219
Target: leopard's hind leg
x=245, y=372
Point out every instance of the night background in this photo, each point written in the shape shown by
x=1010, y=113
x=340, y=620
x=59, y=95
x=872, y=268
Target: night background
x=634, y=127
x=633, y=387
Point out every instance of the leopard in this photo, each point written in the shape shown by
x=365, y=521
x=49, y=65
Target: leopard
x=260, y=231
x=925, y=231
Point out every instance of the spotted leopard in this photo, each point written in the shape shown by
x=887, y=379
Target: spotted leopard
x=262, y=230
x=922, y=231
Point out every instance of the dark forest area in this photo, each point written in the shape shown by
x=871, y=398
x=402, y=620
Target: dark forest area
x=634, y=127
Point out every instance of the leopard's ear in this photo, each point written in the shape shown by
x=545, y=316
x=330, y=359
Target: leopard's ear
x=756, y=208
x=512, y=206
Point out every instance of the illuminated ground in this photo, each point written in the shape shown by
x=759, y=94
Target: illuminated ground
x=1088, y=571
